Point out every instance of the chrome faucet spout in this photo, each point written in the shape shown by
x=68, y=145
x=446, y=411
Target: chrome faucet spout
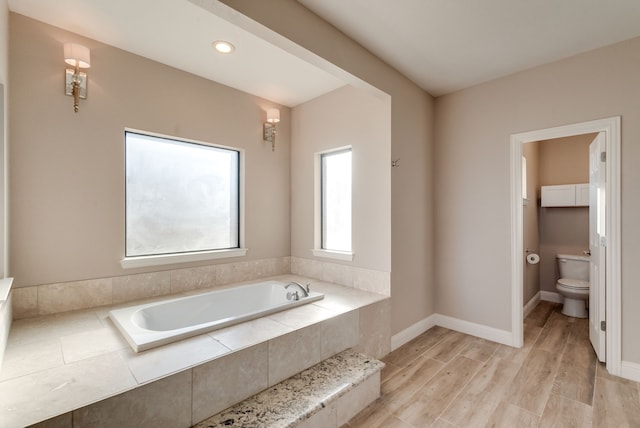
x=305, y=290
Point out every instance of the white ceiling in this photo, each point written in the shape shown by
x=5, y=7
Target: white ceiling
x=447, y=45
x=442, y=45
x=179, y=33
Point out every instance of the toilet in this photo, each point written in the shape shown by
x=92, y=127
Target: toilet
x=574, y=284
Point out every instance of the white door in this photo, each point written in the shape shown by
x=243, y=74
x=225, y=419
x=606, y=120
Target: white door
x=597, y=246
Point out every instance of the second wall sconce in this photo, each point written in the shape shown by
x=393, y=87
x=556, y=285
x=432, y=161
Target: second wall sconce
x=78, y=57
x=269, y=127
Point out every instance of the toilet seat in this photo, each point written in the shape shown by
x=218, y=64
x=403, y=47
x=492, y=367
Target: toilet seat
x=574, y=284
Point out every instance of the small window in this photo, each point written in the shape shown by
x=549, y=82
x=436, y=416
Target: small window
x=336, y=200
x=181, y=196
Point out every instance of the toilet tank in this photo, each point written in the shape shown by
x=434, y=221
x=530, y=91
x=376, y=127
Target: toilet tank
x=573, y=266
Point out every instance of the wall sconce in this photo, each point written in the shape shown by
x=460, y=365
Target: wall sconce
x=77, y=56
x=269, y=127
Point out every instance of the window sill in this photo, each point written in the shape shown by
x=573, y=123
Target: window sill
x=336, y=255
x=169, y=259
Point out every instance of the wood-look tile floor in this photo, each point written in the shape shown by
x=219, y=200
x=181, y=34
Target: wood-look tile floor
x=448, y=379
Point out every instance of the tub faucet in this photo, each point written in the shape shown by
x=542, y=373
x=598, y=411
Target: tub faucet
x=305, y=290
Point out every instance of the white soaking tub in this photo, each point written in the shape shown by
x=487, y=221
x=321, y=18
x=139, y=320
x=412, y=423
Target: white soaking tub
x=154, y=324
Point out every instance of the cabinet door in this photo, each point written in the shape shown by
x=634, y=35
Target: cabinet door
x=559, y=196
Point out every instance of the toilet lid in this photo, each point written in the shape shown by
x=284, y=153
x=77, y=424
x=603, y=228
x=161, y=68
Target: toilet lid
x=573, y=283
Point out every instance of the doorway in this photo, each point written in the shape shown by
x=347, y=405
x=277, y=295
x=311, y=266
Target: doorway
x=610, y=287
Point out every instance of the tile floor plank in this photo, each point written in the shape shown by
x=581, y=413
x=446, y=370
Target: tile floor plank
x=615, y=405
x=532, y=385
x=479, y=349
x=408, y=352
x=577, y=372
x=508, y=415
x=482, y=395
x=424, y=407
x=449, y=346
x=555, y=333
x=549, y=382
x=540, y=314
x=399, y=388
x=564, y=412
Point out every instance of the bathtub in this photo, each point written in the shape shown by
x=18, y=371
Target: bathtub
x=154, y=324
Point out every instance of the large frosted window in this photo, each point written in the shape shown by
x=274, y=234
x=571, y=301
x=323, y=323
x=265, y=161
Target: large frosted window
x=336, y=200
x=180, y=196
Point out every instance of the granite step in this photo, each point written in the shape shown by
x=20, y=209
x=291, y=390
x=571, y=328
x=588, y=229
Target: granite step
x=325, y=395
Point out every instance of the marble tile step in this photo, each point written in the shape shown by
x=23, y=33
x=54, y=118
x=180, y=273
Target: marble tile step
x=327, y=394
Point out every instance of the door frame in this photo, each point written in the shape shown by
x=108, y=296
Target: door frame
x=611, y=128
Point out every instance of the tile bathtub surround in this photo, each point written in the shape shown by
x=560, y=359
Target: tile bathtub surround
x=61, y=297
x=62, y=363
x=371, y=280
x=309, y=393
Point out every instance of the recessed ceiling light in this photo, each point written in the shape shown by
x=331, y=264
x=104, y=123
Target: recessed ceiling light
x=223, y=47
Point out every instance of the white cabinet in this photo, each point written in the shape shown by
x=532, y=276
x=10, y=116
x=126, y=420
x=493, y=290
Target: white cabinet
x=582, y=195
x=565, y=195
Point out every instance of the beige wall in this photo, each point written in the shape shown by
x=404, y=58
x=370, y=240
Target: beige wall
x=565, y=160
x=562, y=230
x=412, y=109
x=4, y=121
x=473, y=177
x=67, y=170
x=345, y=117
x=531, y=280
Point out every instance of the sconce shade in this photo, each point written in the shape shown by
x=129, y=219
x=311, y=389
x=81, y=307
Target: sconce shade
x=77, y=55
x=273, y=115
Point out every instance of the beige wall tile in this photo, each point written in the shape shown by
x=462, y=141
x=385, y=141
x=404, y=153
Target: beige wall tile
x=192, y=278
x=338, y=274
x=285, y=265
x=339, y=333
x=372, y=280
x=232, y=272
x=164, y=403
x=69, y=296
x=228, y=380
x=351, y=403
x=140, y=286
x=306, y=267
x=293, y=352
x=375, y=329
x=25, y=302
x=268, y=267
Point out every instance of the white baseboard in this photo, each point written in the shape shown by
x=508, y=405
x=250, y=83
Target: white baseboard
x=411, y=332
x=629, y=370
x=473, y=329
x=531, y=304
x=478, y=330
x=550, y=296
